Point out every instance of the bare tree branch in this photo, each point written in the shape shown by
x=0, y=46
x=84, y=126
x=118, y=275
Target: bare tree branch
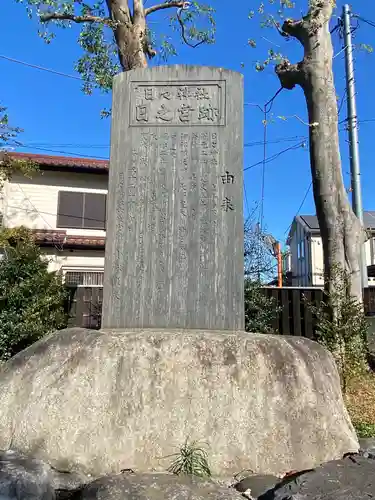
x=295, y=29
x=164, y=5
x=60, y=16
x=289, y=74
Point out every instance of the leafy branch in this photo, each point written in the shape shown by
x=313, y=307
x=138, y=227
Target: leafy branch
x=115, y=34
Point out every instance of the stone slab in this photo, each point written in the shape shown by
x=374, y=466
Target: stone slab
x=174, y=249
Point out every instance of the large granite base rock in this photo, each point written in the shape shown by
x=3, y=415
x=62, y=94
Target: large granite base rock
x=352, y=478
x=26, y=478
x=101, y=402
x=156, y=487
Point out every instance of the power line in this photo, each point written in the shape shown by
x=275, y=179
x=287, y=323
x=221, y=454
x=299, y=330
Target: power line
x=358, y=121
x=335, y=28
x=367, y=21
x=300, y=207
x=265, y=109
x=40, y=215
x=65, y=145
x=275, y=141
x=105, y=146
x=246, y=200
x=342, y=102
x=59, y=73
x=276, y=155
x=39, y=212
x=60, y=152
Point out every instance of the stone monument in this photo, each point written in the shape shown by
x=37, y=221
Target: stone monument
x=174, y=247
x=171, y=363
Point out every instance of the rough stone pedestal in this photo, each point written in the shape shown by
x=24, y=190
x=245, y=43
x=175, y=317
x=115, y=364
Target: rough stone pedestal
x=103, y=402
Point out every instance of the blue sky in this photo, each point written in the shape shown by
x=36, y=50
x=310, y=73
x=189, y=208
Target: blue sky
x=59, y=119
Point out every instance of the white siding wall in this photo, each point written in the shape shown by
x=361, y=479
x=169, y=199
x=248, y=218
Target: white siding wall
x=74, y=259
x=318, y=278
x=300, y=259
x=33, y=203
x=317, y=261
x=315, y=251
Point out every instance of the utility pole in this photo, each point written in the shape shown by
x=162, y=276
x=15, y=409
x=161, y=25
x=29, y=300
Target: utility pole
x=353, y=132
x=275, y=248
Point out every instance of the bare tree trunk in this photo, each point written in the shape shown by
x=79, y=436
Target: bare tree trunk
x=340, y=229
x=130, y=31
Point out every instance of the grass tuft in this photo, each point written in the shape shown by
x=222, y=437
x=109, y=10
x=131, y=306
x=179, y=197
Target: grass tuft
x=191, y=459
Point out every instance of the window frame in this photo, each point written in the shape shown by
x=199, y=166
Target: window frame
x=84, y=272
x=81, y=221
x=301, y=250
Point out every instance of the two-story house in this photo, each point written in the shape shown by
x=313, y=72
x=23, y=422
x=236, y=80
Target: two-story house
x=65, y=206
x=305, y=262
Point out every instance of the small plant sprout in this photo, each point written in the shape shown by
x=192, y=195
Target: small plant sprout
x=191, y=459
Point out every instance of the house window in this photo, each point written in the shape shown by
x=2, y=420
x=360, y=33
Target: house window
x=84, y=278
x=81, y=210
x=301, y=249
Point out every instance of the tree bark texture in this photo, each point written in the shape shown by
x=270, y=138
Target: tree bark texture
x=129, y=28
x=130, y=33
x=341, y=231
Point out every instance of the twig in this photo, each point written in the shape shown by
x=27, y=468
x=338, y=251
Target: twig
x=271, y=42
x=314, y=124
x=183, y=36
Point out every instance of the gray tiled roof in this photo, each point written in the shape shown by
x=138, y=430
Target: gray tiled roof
x=311, y=221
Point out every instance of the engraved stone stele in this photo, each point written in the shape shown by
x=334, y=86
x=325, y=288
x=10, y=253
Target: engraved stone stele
x=170, y=363
x=174, y=248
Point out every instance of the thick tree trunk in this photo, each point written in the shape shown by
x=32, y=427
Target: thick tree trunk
x=130, y=32
x=340, y=229
x=130, y=43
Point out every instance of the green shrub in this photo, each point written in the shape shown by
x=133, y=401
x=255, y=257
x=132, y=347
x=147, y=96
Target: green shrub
x=364, y=429
x=31, y=298
x=342, y=328
x=190, y=460
x=260, y=310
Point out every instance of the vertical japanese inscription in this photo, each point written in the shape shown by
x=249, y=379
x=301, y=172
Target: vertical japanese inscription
x=159, y=104
x=182, y=257
x=163, y=152
x=120, y=229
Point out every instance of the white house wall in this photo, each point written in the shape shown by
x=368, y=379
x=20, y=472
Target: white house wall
x=33, y=202
x=301, y=266
x=317, y=263
x=71, y=260
x=310, y=271
x=317, y=249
